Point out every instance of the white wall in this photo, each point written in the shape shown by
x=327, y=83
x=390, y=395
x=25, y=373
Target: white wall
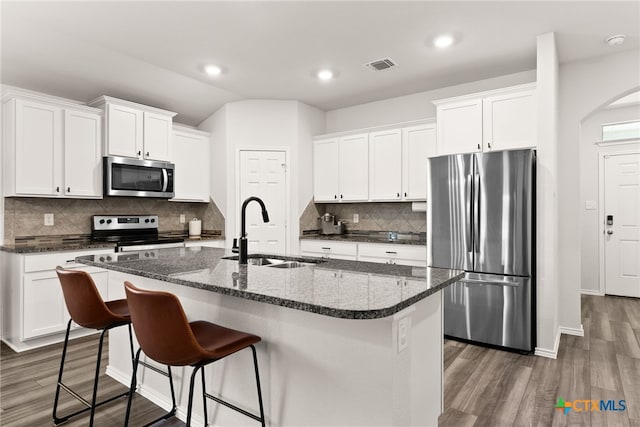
x=591, y=132
x=585, y=86
x=416, y=106
x=262, y=124
x=311, y=121
x=216, y=124
x=547, y=210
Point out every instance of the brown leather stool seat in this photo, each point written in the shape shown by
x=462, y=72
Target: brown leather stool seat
x=166, y=336
x=87, y=308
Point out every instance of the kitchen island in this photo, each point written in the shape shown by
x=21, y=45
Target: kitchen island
x=344, y=343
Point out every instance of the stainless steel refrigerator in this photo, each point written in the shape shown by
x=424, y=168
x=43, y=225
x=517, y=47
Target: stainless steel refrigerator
x=481, y=219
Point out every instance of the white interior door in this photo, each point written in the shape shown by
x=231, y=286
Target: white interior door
x=263, y=174
x=622, y=224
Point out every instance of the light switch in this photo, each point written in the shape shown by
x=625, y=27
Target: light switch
x=590, y=205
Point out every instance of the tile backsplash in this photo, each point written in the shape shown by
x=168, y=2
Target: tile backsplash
x=24, y=216
x=396, y=216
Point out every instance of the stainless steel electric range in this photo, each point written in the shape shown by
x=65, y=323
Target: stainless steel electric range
x=132, y=232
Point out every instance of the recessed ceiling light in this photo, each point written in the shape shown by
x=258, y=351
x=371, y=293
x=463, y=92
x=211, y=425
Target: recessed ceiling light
x=325, y=75
x=443, y=41
x=616, y=40
x=213, y=70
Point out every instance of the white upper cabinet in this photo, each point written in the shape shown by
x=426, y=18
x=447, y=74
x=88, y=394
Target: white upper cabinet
x=503, y=119
x=326, y=183
x=51, y=147
x=389, y=164
x=157, y=136
x=82, y=154
x=341, y=169
x=124, y=131
x=509, y=120
x=37, y=145
x=459, y=127
x=385, y=165
x=353, y=168
x=136, y=130
x=191, y=158
x=418, y=144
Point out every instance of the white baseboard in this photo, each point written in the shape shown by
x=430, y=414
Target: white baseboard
x=591, y=292
x=553, y=353
x=550, y=353
x=159, y=399
x=572, y=331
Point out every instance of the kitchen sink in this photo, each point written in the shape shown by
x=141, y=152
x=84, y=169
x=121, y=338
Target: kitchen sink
x=276, y=261
x=291, y=264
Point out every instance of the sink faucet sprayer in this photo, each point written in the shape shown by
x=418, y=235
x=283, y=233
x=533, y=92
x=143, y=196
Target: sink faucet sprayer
x=242, y=258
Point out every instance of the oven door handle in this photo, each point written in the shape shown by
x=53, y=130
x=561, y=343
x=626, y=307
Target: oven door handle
x=165, y=180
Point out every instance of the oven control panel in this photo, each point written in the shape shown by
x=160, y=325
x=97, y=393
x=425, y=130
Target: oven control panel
x=125, y=222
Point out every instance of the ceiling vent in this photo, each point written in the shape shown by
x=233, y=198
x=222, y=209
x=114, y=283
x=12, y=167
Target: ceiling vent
x=381, y=64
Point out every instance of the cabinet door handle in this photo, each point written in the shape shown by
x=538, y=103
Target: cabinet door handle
x=398, y=194
x=69, y=261
x=489, y=144
x=335, y=196
x=390, y=252
x=57, y=189
x=328, y=249
x=405, y=194
x=147, y=154
x=341, y=196
x=68, y=189
x=478, y=146
x=139, y=153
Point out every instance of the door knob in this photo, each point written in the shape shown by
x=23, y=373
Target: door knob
x=609, y=232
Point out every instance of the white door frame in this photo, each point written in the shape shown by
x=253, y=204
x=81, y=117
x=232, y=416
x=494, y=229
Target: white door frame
x=287, y=159
x=601, y=211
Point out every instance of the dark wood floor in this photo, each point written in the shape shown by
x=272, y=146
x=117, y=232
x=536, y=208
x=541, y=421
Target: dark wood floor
x=483, y=387
x=28, y=381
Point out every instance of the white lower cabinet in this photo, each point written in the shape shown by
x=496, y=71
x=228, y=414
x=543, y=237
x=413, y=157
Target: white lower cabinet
x=34, y=311
x=329, y=249
x=415, y=255
x=389, y=253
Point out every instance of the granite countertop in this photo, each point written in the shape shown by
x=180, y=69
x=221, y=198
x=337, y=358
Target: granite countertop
x=336, y=288
x=36, y=244
x=54, y=244
x=371, y=237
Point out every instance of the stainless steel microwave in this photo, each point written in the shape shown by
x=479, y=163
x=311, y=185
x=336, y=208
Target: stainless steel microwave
x=137, y=178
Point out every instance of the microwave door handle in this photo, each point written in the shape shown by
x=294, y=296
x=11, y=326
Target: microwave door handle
x=165, y=180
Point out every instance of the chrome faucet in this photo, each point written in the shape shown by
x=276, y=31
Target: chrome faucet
x=243, y=255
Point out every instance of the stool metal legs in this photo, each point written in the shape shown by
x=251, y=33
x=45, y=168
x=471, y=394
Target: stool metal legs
x=90, y=406
x=222, y=402
x=134, y=382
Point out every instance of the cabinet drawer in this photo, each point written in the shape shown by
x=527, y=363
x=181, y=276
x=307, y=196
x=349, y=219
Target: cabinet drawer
x=50, y=261
x=329, y=248
x=391, y=251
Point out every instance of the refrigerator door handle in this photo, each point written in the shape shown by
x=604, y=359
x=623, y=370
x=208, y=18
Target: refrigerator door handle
x=476, y=215
x=489, y=282
x=467, y=230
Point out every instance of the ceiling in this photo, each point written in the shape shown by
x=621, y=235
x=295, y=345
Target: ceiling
x=153, y=52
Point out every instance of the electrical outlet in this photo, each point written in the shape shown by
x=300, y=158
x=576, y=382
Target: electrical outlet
x=183, y=218
x=356, y=218
x=403, y=333
x=48, y=219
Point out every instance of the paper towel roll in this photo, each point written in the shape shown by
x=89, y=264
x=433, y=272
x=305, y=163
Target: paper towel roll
x=195, y=227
